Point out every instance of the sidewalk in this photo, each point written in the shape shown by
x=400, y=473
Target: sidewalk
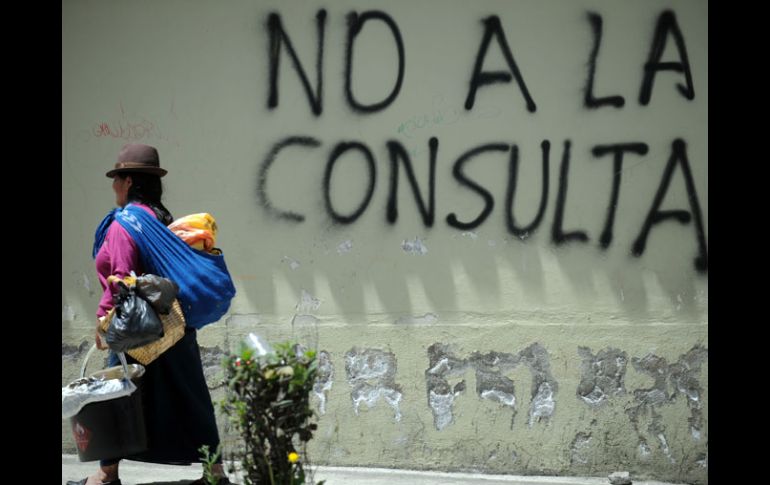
x=138, y=473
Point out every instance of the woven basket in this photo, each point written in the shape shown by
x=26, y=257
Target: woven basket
x=173, y=331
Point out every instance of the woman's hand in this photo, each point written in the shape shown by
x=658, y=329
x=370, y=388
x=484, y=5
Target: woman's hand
x=100, y=344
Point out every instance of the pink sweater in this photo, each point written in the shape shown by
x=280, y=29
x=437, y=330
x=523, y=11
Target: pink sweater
x=118, y=256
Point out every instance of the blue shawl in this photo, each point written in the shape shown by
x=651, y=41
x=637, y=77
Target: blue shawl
x=205, y=286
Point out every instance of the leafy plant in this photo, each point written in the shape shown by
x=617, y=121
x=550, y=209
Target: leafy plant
x=208, y=460
x=268, y=402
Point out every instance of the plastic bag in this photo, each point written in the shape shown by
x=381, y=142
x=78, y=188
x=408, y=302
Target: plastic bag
x=258, y=344
x=159, y=291
x=90, y=389
x=134, y=322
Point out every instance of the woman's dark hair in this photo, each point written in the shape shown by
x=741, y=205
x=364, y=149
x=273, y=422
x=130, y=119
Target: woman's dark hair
x=147, y=189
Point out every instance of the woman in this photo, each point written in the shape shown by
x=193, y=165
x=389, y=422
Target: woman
x=179, y=414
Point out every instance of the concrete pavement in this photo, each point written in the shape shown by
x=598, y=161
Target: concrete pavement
x=138, y=473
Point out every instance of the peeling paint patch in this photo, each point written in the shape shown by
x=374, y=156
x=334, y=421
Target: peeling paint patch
x=441, y=405
x=371, y=373
x=535, y=357
x=644, y=449
x=703, y=460
x=370, y=396
x=428, y=318
x=442, y=365
x=580, y=449
x=345, y=247
x=324, y=379
x=470, y=234
x=543, y=404
x=681, y=377
x=602, y=375
x=68, y=314
x=293, y=263
x=502, y=397
x=665, y=448
x=414, y=246
x=307, y=303
x=494, y=386
x=491, y=384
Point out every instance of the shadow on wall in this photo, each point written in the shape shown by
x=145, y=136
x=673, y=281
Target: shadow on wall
x=402, y=271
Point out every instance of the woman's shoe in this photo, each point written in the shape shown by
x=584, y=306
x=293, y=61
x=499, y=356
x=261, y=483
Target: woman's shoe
x=200, y=481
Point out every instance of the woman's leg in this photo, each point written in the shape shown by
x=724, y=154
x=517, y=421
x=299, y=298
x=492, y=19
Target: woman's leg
x=108, y=471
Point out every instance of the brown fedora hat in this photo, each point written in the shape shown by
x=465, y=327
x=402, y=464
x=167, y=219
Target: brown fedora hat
x=135, y=157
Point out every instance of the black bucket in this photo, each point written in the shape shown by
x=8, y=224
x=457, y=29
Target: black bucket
x=114, y=428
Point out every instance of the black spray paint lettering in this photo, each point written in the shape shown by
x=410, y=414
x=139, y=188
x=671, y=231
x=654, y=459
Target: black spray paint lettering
x=336, y=153
x=305, y=141
x=558, y=236
x=355, y=24
x=396, y=152
x=427, y=210
x=492, y=27
x=513, y=169
x=482, y=78
x=590, y=101
x=277, y=37
x=666, y=23
x=617, y=168
x=489, y=201
x=656, y=216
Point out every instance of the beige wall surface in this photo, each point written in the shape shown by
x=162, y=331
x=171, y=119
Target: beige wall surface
x=536, y=303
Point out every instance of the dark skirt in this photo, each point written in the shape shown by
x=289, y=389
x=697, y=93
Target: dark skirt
x=178, y=411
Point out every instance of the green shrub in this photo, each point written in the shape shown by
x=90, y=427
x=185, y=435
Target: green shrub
x=268, y=403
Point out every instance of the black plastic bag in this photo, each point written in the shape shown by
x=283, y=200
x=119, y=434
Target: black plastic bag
x=159, y=291
x=134, y=323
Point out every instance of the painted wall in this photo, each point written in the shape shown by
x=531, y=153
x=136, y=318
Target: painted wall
x=491, y=218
